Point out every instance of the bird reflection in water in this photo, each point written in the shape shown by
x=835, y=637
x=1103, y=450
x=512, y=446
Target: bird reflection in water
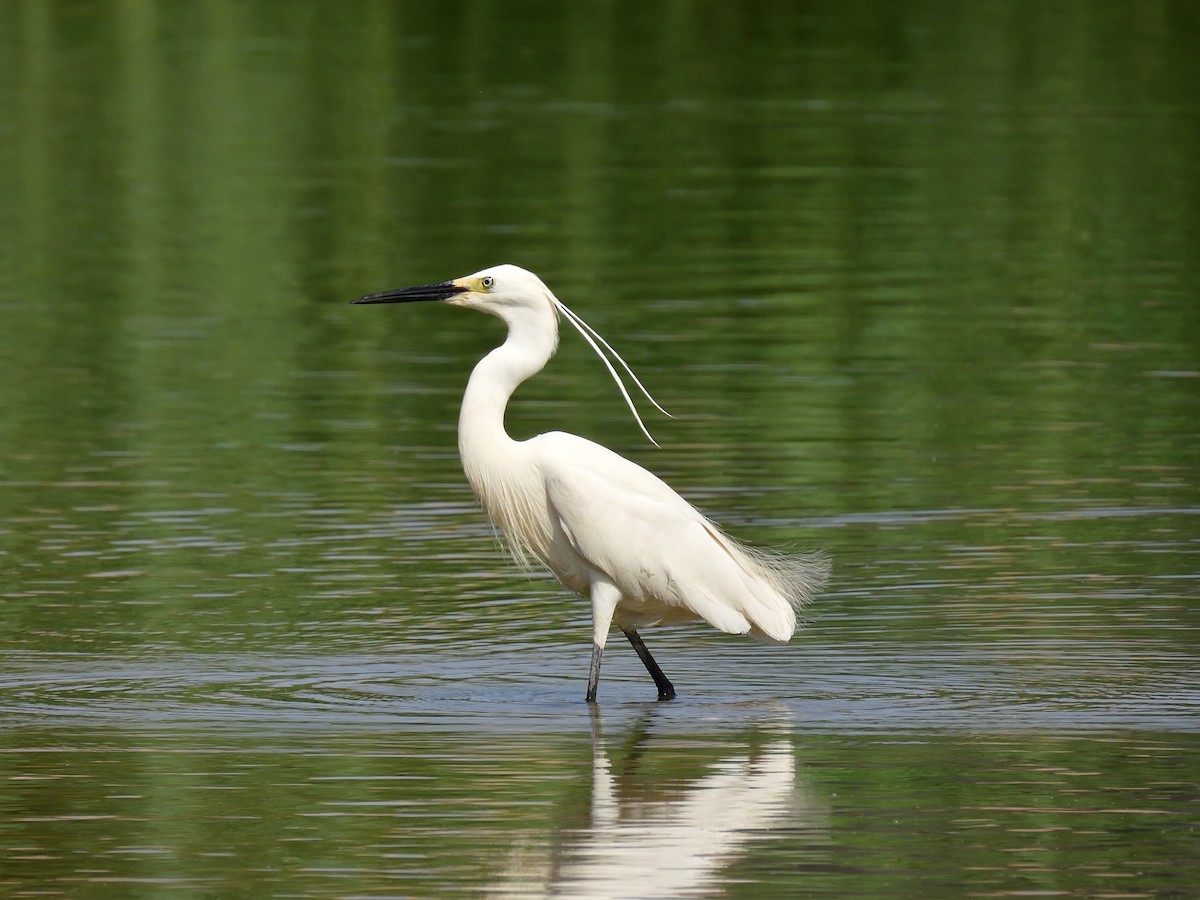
x=646, y=838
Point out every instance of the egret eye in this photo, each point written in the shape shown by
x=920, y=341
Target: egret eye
x=488, y=282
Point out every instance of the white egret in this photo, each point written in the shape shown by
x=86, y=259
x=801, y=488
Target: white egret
x=607, y=528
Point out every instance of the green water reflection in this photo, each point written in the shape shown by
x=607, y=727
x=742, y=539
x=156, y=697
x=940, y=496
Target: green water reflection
x=919, y=282
x=640, y=812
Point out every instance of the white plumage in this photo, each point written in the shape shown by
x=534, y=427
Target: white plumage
x=606, y=527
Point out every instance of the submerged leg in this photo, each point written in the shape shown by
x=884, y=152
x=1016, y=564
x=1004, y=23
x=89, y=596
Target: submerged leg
x=605, y=597
x=594, y=674
x=666, y=690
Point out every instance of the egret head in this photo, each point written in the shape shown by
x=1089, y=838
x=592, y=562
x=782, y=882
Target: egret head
x=499, y=291
x=521, y=299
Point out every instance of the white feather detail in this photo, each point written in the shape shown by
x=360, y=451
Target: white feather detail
x=591, y=335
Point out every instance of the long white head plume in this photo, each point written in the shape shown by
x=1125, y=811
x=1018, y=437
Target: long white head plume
x=591, y=335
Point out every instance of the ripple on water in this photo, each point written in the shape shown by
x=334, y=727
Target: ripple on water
x=842, y=688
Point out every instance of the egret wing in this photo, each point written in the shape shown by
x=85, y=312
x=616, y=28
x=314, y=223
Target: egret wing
x=628, y=525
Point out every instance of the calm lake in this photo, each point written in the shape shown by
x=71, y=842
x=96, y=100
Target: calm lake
x=920, y=283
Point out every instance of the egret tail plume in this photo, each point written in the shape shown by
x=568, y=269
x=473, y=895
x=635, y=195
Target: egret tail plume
x=591, y=335
x=797, y=577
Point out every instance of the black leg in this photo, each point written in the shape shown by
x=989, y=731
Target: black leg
x=594, y=674
x=666, y=690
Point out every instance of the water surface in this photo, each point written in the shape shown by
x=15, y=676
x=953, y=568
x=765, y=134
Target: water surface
x=919, y=285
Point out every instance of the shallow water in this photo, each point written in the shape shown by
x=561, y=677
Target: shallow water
x=919, y=285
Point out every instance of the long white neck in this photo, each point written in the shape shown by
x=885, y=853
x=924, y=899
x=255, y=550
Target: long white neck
x=532, y=339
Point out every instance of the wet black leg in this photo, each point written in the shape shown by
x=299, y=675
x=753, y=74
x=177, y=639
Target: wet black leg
x=594, y=674
x=666, y=690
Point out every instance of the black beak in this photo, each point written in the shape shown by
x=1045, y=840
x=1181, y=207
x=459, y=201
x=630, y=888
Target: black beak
x=443, y=291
